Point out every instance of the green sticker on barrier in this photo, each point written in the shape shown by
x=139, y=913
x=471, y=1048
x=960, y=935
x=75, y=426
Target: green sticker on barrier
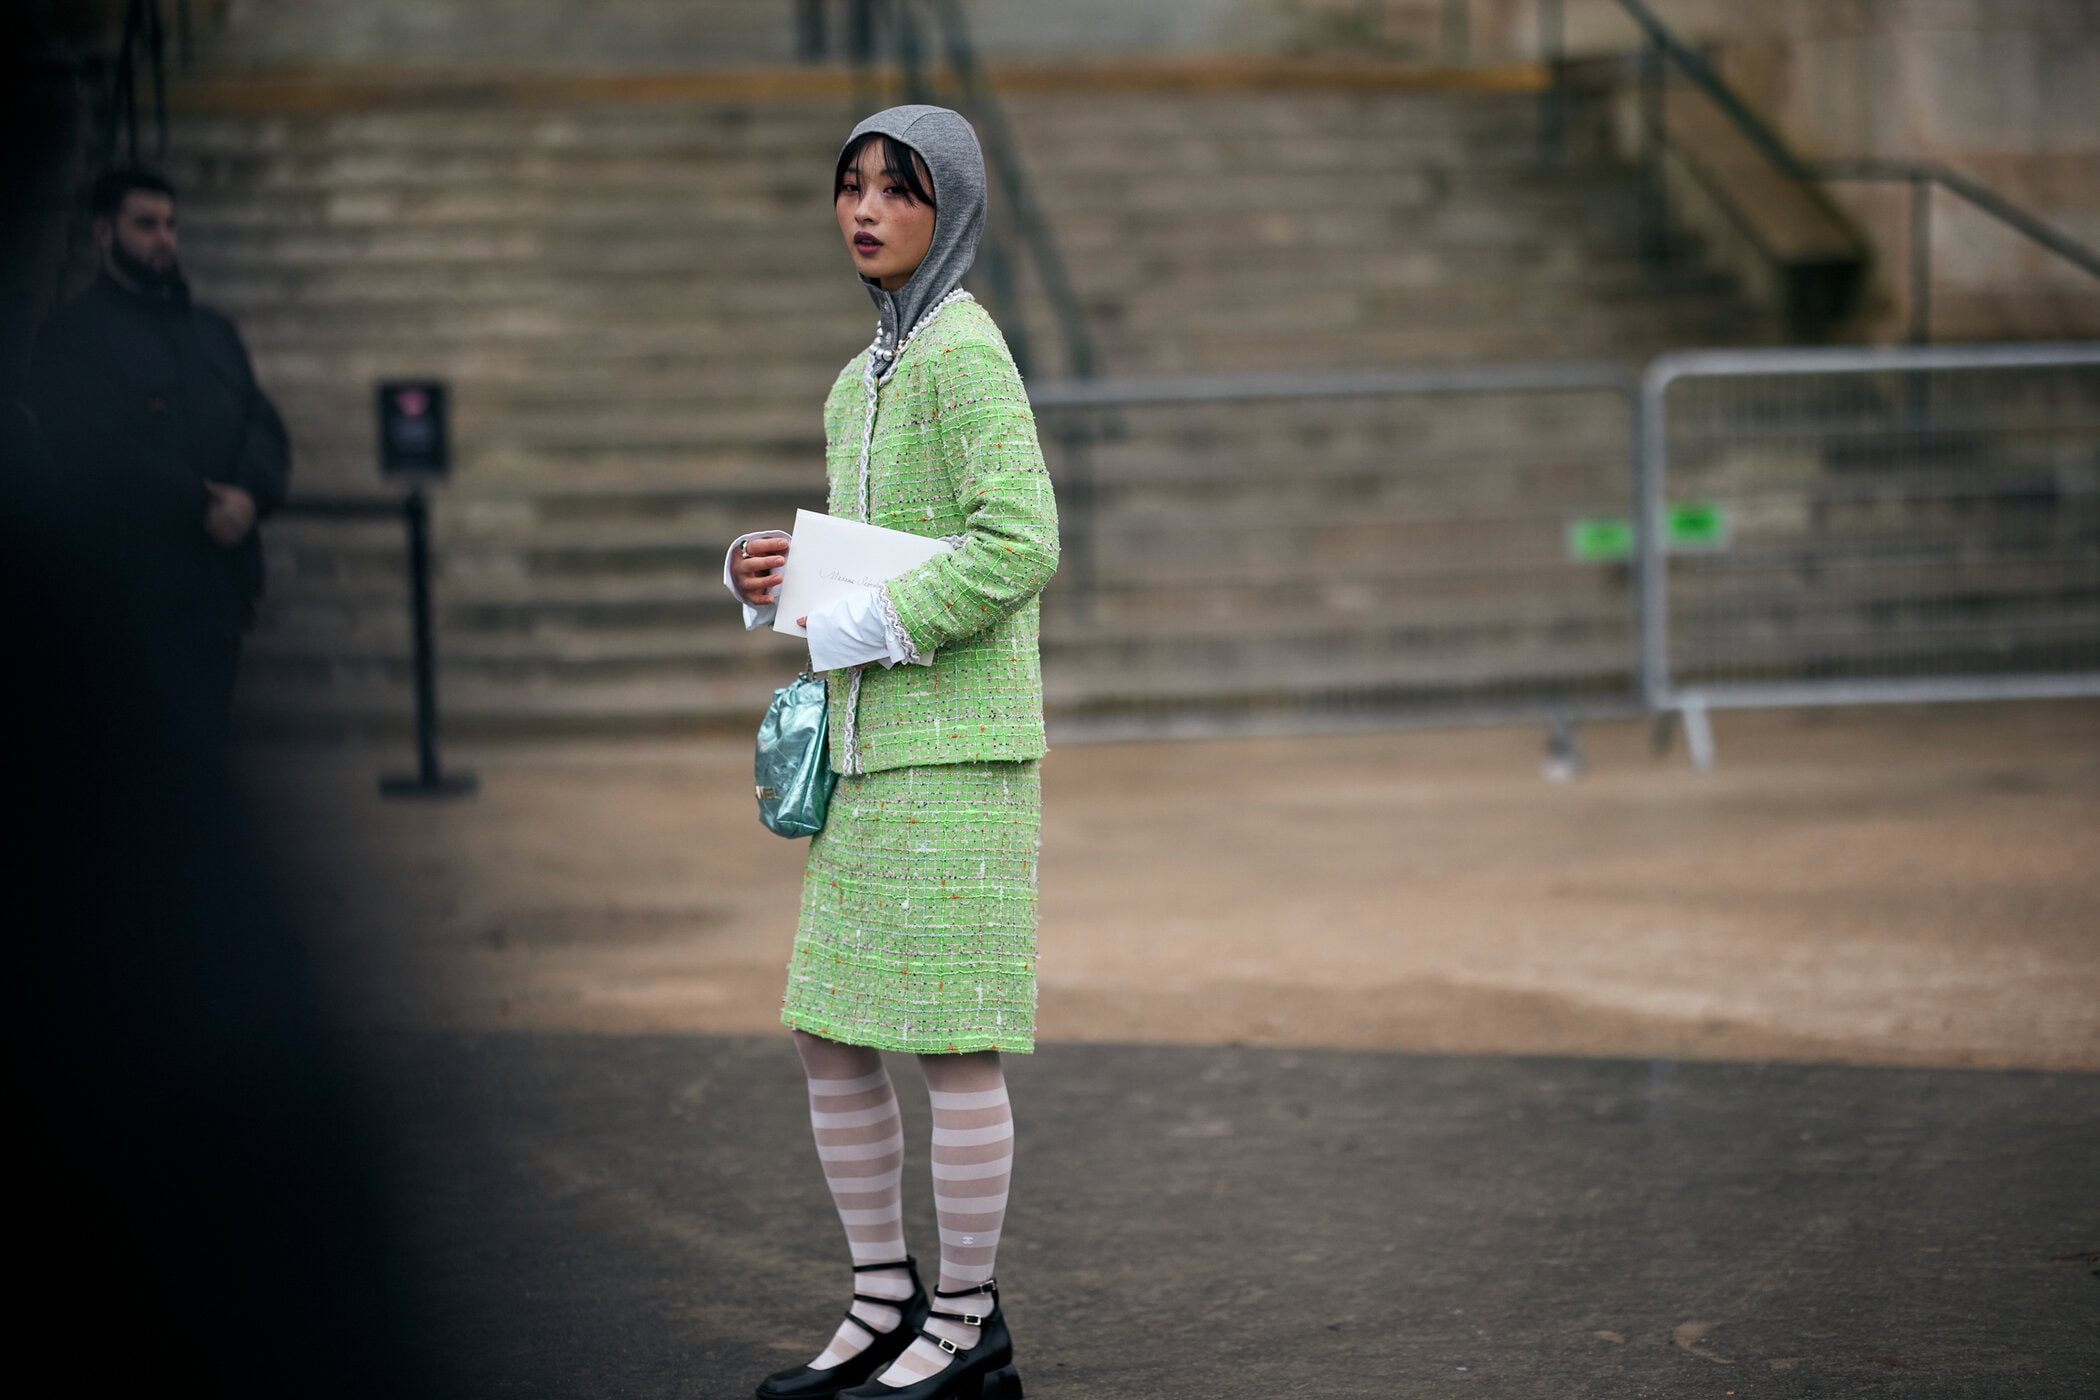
x=1696, y=527
x=1700, y=526
x=1599, y=541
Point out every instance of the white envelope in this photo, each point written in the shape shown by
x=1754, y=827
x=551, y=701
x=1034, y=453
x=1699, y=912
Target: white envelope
x=832, y=558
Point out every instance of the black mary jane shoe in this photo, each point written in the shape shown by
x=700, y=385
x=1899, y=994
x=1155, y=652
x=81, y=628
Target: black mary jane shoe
x=982, y=1372
x=809, y=1383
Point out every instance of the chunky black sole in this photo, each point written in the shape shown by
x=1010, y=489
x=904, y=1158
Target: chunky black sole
x=1004, y=1383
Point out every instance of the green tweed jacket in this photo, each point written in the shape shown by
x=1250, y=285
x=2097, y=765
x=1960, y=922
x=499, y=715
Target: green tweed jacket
x=954, y=455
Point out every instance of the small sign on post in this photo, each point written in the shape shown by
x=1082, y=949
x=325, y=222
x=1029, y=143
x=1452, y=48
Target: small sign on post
x=414, y=438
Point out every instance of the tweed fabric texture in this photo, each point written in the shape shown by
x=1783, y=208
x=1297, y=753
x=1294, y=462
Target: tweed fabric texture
x=954, y=453
x=918, y=912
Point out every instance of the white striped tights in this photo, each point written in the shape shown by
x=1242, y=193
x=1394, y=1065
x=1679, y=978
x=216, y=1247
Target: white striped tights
x=860, y=1139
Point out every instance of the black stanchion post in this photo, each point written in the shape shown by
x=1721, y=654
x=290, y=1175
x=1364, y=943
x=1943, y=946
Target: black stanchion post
x=415, y=447
x=429, y=780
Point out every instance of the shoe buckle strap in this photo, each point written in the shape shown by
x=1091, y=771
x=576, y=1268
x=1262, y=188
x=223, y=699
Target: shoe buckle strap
x=948, y=1346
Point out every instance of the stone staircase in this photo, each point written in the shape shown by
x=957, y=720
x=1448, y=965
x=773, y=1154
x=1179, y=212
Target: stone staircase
x=640, y=305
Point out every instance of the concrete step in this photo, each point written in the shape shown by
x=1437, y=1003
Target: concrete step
x=1128, y=256
x=347, y=178
x=822, y=286
x=601, y=680
x=1082, y=128
x=591, y=35
x=351, y=189
x=1425, y=277
x=704, y=130
x=1356, y=589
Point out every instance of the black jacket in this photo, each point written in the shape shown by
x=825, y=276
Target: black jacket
x=141, y=400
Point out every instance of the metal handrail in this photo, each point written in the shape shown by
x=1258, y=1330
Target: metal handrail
x=1922, y=176
x=1695, y=67
x=952, y=54
x=1020, y=193
x=1989, y=201
x=1068, y=405
x=1664, y=47
x=1571, y=376
x=144, y=36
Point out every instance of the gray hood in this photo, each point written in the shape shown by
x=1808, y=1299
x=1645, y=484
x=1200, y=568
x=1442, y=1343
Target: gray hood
x=948, y=144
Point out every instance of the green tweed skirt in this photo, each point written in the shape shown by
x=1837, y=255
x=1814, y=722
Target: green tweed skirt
x=918, y=912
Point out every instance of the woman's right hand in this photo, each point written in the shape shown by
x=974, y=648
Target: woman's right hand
x=757, y=567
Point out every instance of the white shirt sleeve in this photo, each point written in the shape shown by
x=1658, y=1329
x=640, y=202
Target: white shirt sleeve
x=762, y=615
x=858, y=629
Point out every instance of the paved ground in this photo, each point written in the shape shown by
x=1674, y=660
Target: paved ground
x=639, y=1216
x=1882, y=887
x=1372, y=1066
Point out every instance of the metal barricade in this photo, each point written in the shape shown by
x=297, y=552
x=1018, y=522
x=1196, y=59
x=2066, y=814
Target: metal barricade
x=1866, y=526
x=1323, y=550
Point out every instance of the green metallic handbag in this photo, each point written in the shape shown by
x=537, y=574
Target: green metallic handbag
x=792, y=767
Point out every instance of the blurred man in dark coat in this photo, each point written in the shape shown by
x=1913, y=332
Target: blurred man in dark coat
x=167, y=455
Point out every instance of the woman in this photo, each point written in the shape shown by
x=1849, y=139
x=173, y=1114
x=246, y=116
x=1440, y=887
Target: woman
x=917, y=931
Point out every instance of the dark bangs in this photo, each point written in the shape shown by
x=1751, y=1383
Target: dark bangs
x=897, y=160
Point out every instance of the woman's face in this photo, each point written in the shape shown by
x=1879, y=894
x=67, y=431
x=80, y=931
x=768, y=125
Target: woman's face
x=886, y=230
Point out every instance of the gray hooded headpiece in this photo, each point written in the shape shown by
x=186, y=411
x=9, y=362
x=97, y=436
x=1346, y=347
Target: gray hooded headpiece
x=948, y=145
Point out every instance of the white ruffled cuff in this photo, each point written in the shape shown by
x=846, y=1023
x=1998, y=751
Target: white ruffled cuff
x=846, y=633
x=858, y=630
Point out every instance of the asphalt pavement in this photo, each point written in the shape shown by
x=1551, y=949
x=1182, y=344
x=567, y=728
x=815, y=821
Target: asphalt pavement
x=643, y=1216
